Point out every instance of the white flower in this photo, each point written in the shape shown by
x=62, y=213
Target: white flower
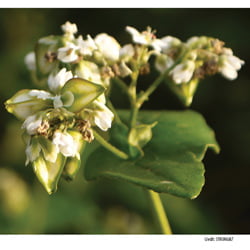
x=69, y=29
x=57, y=81
x=108, y=46
x=163, y=62
x=31, y=124
x=146, y=37
x=68, y=53
x=89, y=71
x=86, y=47
x=168, y=42
x=66, y=144
x=103, y=118
x=183, y=72
x=99, y=114
x=30, y=61
x=126, y=52
x=230, y=64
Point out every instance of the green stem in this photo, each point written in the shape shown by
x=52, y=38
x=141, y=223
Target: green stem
x=133, y=116
x=155, y=84
x=133, y=99
x=160, y=212
x=110, y=147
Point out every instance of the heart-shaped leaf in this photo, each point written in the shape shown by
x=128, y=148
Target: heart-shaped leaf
x=172, y=159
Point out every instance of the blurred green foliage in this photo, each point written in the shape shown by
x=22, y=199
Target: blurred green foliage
x=107, y=206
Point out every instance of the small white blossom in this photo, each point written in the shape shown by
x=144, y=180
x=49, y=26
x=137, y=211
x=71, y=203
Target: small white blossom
x=89, y=71
x=99, y=114
x=108, y=46
x=126, y=52
x=31, y=124
x=69, y=29
x=103, y=117
x=66, y=144
x=68, y=53
x=168, y=42
x=183, y=72
x=163, y=62
x=86, y=47
x=57, y=81
x=30, y=61
x=146, y=37
x=230, y=64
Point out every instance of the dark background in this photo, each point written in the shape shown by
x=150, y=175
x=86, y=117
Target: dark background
x=223, y=206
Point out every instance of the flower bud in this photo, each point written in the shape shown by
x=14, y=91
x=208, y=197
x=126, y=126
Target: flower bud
x=27, y=102
x=139, y=136
x=46, y=54
x=48, y=173
x=83, y=91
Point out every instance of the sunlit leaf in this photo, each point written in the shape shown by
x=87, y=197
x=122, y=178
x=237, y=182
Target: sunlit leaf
x=172, y=159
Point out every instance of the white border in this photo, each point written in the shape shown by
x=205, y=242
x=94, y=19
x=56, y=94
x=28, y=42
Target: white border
x=123, y=242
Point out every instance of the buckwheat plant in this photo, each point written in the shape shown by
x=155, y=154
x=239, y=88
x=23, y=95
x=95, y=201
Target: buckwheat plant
x=161, y=151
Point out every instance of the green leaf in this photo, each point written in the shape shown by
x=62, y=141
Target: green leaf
x=84, y=92
x=172, y=159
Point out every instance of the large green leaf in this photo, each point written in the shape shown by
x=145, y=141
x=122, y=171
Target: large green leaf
x=172, y=159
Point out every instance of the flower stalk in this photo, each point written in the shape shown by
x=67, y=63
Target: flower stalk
x=160, y=212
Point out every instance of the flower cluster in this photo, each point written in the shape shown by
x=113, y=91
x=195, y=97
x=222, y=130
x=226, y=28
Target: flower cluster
x=187, y=63
x=59, y=120
x=74, y=75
